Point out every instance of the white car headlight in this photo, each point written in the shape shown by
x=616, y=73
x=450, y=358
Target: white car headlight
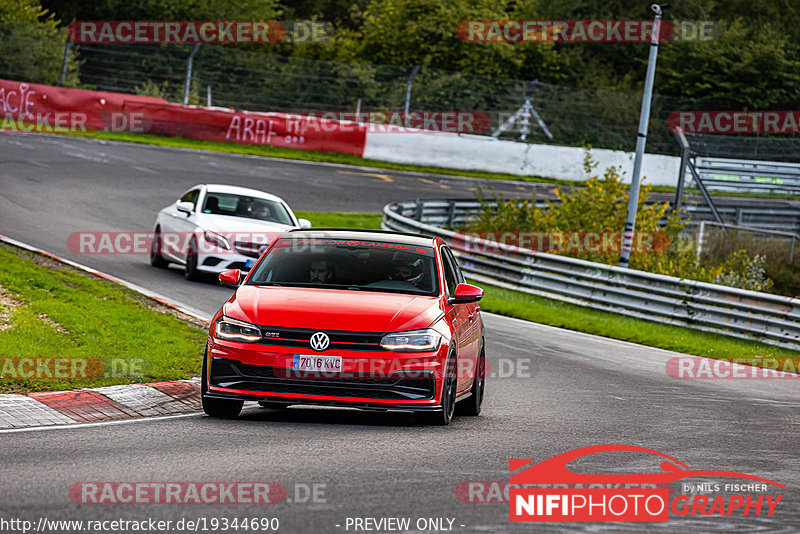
x=213, y=238
x=233, y=330
x=412, y=341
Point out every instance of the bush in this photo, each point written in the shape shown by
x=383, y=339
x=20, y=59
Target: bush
x=601, y=206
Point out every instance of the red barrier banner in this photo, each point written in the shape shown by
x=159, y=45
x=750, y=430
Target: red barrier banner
x=273, y=129
x=30, y=106
x=43, y=108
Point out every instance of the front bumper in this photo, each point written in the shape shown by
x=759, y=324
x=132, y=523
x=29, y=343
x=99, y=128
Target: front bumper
x=217, y=263
x=369, y=379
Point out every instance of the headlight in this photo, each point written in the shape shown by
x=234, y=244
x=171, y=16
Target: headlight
x=234, y=330
x=414, y=340
x=213, y=238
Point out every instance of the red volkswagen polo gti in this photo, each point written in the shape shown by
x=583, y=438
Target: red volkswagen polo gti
x=362, y=319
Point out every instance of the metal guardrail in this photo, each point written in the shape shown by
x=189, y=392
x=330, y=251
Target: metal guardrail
x=754, y=176
x=452, y=213
x=726, y=310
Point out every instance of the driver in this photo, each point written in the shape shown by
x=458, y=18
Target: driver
x=320, y=272
x=407, y=269
x=261, y=211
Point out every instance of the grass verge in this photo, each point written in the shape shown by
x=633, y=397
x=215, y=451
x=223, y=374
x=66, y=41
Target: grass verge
x=63, y=329
x=679, y=339
x=341, y=219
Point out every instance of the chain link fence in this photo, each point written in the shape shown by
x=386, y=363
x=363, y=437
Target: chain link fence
x=253, y=81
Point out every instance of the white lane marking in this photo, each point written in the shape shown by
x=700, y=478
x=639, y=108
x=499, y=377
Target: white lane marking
x=99, y=423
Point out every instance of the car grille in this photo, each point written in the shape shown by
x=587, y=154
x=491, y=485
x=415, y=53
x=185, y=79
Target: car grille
x=251, y=250
x=300, y=337
x=233, y=374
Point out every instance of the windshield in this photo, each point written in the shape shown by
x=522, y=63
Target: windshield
x=349, y=264
x=248, y=207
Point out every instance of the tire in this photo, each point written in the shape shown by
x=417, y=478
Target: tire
x=156, y=259
x=190, y=270
x=472, y=405
x=219, y=408
x=443, y=416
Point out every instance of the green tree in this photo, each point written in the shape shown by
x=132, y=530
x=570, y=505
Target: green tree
x=32, y=44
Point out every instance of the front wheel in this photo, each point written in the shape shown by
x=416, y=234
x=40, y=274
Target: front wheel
x=220, y=408
x=472, y=404
x=156, y=259
x=443, y=416
x=191, y=273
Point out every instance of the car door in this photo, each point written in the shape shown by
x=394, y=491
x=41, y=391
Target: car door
x=178, y=224
x=472, y=326
x=460, y=319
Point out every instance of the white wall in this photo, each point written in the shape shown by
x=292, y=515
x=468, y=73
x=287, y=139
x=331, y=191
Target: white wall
x=484, y=153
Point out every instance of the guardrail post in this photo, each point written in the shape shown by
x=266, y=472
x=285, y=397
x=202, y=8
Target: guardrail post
x=419, y=209
x=451, y=212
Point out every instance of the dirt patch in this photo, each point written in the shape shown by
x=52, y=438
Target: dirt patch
x=52, y=324
x=7, y=306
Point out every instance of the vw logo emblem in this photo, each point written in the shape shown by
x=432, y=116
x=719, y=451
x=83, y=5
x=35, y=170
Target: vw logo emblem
x=320, y=341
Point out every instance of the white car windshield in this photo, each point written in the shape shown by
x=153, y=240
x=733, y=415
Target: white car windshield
x=234, y=205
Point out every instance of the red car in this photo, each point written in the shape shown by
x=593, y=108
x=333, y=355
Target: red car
x=363, y=319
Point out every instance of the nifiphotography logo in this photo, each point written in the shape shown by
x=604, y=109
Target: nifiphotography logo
x=564, y=495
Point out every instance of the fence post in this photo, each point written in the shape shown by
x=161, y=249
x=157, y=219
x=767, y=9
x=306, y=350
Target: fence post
x=189, y=74
x=64, y=64
x=420, y=208
x=700, y=236
x=684, y=144
x=208, y=95
x=414, y=72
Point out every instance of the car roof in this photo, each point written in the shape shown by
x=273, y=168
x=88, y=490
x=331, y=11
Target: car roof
x=362, y=235
x=236, y=190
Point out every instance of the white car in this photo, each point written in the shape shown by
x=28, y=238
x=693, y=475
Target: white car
x=213, y=228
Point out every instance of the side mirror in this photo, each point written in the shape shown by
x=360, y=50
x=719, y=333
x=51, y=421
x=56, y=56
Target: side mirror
x=466, y=293
x=230, y=278
x=305, y=224
x=185, y=207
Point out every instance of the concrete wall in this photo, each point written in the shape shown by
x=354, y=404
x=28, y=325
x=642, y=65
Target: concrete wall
x=483, y=153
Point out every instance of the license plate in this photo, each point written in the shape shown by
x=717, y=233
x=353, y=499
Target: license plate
x=248, y=264
x=328, y=364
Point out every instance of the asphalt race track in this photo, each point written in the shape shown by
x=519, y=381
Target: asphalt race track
x=566, y=389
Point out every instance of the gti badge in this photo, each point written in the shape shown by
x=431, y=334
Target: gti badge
x=320, y=341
